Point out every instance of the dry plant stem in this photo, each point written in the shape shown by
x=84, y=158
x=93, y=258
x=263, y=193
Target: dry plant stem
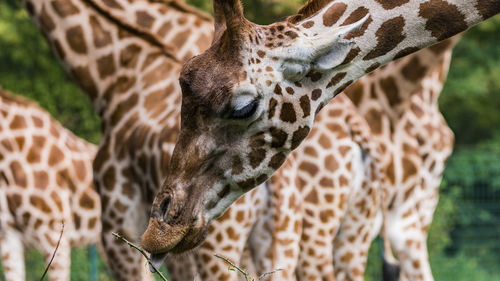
x=53, y=254
x=244, y=273
x=143, y=253
x=269, y=273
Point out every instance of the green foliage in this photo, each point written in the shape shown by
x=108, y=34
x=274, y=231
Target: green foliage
x=470, y=100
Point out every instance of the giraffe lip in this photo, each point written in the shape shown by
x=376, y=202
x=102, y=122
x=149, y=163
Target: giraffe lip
x=157, y=261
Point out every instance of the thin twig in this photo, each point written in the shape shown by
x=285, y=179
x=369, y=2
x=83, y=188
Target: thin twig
x=143, y=253
x=53, y=254
x=244, y=273
x=269, y=273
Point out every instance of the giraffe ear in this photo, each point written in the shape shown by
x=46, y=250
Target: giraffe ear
x=321, y=52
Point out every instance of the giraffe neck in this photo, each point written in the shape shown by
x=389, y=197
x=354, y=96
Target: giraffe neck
x=391, y=88
x=103, y=50
x=392, y=30
x=168, y=23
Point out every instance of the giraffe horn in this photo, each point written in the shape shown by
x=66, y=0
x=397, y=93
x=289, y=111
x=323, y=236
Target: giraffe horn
x=228, y=16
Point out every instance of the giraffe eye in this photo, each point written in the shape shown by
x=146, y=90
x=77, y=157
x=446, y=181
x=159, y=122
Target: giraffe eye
x=245, y=111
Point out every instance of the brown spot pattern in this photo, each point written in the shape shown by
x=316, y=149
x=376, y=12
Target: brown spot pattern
x=414, y=71
x=305, y=104
x=272, y=107
x=316, y=94
x=18, y=122
x=391, y=91
x=355, y=16
x=45, y=20
x=64, y=8
x=130, y=55
x=41, y=179
x=279, y=137
x=277, y=160
x=55, y=156
x=40, y=204
x=106, y=66
x=18, y=173
x=333, y=14
x=389, y=35
x=374, y=118
x=443, y=19
x=288, y=113
x=336, y=79
x=144, y=19
x=299, y=136
x=353, y=53
x=76, y=39
x=256, y=157
x=391, y=4
x=100, y=36
x=488, y=8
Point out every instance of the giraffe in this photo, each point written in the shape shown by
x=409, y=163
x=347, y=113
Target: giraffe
x=337, y=245
x=328, y=182
x=406, y=122
x=44, y=19
x=266, y=76
x=46, y=180
x=417, y=95
x=129, y=74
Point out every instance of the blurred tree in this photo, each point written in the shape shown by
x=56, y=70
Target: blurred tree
x=471, y=98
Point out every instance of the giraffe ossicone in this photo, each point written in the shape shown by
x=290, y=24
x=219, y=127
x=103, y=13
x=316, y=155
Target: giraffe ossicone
x=221, y=154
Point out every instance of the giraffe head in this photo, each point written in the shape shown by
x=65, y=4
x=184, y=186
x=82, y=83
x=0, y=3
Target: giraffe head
x=248, y=101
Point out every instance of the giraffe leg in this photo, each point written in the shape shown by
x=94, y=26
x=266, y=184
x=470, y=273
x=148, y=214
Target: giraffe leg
x=351, y=246
x=360, y=225
x=409, y=242
x=316, y=259
x=11, y=249
x=125, y=263
x=127, y=218
x=275, y=239
x=228, y=237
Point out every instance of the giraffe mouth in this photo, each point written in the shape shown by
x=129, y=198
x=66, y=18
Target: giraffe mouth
x=157, y=261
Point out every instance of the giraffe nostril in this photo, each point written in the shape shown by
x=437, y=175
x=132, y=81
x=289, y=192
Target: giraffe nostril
x=164, y=207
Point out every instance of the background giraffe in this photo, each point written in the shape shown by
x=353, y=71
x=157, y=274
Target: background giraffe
x=400, y=104
x=131, y=78
x=45, y=181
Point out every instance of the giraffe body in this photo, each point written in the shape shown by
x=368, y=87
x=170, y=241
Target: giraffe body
x=118, y=57
x=46, y=181
x=400, y=104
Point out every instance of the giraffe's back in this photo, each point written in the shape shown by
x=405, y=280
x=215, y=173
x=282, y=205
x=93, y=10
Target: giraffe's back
x=45, y=177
